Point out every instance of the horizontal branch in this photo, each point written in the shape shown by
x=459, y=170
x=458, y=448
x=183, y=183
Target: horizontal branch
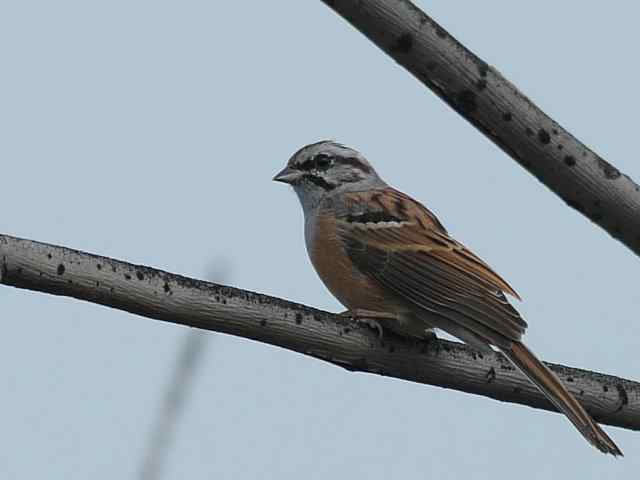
x=173, y=298
x=478, y=92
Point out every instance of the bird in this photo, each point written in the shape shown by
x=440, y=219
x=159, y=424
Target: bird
x=390, y=261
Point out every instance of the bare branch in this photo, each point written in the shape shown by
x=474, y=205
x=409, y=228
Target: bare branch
x=478, y=92
x=165, y=296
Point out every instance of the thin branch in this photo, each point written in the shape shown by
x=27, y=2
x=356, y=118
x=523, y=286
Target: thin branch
x=165, y=296
x=191, y=350
x=478, y=92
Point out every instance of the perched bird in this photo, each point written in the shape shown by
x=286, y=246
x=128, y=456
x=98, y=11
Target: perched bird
x=388, y=259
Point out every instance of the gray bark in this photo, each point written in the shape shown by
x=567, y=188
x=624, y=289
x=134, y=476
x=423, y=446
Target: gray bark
x=173, y=298
x=478, y=92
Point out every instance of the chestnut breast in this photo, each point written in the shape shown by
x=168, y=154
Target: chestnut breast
x=352, y=288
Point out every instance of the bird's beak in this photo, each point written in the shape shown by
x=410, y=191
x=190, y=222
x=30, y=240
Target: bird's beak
x=288, y=175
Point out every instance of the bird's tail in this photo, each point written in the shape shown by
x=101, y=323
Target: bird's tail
x=556, y=392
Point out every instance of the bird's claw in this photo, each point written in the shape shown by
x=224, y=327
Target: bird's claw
x=362, y=317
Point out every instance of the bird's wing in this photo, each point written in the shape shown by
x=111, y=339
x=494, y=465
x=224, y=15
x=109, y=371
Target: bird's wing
x=402, y=245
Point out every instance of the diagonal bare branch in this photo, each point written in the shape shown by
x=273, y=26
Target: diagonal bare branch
x=165, y=296
x=478, y=92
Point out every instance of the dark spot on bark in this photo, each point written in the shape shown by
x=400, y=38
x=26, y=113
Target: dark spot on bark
x=346, y=330
x=491, y=375
x=263, y=323
x=441, y=32
x=139, y=275
x=19, y=270
x=605, y=388
x=127, y=276
x=624, y=398
x=569, y=161
x=483, y=68
x=98, y=266
x=506, y=367
x=581, y=393
x=166, y=287
x=49, y=256
x=543, y=136
x=555, y=132
x=481, y=84
x=298, y=318
x=467, y=101
x=404, y=44
x=61, y=269
x=610, y=172
x=507, y=117
x=569, y=379
x=560, y=146
x=528, y=131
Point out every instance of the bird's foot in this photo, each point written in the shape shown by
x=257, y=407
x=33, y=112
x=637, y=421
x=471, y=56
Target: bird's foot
x=369, y=318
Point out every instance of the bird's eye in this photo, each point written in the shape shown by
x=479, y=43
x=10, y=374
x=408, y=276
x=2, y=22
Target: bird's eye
x=323, y=161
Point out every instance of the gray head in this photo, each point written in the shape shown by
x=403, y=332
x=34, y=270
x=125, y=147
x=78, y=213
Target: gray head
x=325, y=168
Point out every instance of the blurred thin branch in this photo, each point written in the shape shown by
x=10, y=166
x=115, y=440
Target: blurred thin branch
x=189, y=356
x=333, y=338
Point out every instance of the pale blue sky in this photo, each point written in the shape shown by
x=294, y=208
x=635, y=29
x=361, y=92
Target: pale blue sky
x=149, y=131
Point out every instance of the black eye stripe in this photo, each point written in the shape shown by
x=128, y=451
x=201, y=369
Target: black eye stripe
x=320, y=182
x=321, y=161
x=356, y=163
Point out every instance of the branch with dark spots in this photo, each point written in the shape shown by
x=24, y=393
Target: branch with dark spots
x=500, y=111
x=333, y=338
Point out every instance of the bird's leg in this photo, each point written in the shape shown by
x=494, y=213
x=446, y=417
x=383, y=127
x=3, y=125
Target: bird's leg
x=370, y=318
